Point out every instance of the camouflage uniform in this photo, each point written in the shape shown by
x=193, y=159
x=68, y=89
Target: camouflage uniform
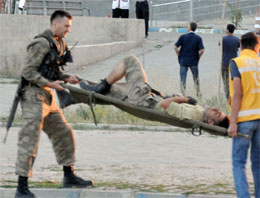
x=40, y=112
x=135, y=90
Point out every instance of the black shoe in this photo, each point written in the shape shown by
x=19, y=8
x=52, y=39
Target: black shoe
x=102, y=88
x=22, y=189
x=27, y=194
x=75, y=181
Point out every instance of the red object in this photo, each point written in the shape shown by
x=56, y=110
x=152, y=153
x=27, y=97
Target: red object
x=1, y=5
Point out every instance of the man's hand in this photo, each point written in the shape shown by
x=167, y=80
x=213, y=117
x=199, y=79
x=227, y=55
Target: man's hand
x=176, y=50
x=56, y=85
x=73, y=79
x=232, y=130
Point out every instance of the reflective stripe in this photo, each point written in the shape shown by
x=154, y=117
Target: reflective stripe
x=248, y=68
x=249, y=112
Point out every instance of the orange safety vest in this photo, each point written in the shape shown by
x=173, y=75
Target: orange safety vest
x=249, y=67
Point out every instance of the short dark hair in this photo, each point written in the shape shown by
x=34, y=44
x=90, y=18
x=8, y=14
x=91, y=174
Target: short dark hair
x=193, y=26
x=224, y=123
x=60, y=13
x=231, y=28
x=249, y=40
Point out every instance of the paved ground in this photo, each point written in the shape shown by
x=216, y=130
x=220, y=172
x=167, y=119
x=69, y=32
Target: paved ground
x=143, y=160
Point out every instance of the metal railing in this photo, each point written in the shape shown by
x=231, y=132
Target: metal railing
x=195, y=10
x=167, y=4
x=8, y=6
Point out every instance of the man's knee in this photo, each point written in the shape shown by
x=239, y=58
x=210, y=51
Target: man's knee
x=131, y=60
x=132, y=64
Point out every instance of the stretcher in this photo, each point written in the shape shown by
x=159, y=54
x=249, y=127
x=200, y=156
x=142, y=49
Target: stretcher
x=90, y=98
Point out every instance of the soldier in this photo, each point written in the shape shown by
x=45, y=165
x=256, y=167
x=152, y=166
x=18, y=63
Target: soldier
x=42, y=73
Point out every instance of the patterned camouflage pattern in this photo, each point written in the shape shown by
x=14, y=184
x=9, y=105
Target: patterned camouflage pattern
x=40, y=112
x=135, y=90
x=36, y=52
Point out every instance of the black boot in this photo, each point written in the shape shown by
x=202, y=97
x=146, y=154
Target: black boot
x=22, y=188
x=71, y=180
x=102, y=88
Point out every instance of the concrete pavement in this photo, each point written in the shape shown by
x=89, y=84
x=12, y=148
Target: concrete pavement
x=79, y=193
x=123, y=162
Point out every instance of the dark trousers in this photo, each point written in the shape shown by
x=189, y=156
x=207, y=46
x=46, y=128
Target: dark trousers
x=120, y=13
x=195, y=75
x=225, y=77
x=142, y=12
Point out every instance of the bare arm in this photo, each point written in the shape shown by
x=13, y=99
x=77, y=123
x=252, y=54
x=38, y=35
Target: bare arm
x=236, y=104
x=201, y=52
x=176, y=50
x=166, y=102
x=55, y=85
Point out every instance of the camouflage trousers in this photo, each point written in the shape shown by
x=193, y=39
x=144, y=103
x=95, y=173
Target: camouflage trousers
x=40, y=113
x=135, y=89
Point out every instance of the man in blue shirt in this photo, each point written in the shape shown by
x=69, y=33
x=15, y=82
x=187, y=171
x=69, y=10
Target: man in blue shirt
x=230, y=46
x=191, y=49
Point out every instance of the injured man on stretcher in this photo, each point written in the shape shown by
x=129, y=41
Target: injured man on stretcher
x=136, y=91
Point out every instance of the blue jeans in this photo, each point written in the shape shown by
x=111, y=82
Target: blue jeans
x=239, y=158
x=195, y=74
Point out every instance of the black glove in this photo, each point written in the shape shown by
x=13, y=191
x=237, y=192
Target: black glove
x=67, y=57
x=191, y=100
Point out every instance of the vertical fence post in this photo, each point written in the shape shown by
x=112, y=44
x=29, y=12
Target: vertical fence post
x=191, y=10
x=151, y=21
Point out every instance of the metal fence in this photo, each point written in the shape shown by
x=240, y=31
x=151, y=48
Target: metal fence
x=198, y=10
x=168, y=10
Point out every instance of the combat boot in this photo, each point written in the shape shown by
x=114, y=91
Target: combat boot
x=22, y=189
x=71, y=180
x=102, y=88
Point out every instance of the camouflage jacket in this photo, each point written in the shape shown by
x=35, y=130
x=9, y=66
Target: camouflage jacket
x=36, y=52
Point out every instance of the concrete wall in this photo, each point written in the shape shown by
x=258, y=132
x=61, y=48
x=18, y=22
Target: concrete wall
x=98, y=38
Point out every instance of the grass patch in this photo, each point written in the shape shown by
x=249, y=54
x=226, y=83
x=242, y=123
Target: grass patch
x=213, y=102
x=139, y=187
x=45, y=184
x=218, y=188
x=104, y=114
x=9, y=80
x=32, y=184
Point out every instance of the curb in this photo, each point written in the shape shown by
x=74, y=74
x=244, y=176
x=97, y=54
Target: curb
x=84, y=193
x=199, y=30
